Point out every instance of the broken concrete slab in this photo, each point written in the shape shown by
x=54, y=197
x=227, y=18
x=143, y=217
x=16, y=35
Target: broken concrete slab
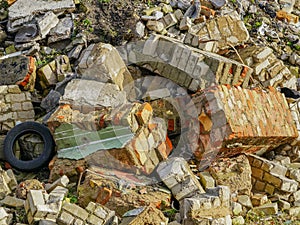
x=102, y=62
x=178, y=177
x=78, y=92
x=46, y=23
x=23, y=9
x=27, y=33
x=62, y=30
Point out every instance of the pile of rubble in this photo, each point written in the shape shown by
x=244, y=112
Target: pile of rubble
x=196, y=121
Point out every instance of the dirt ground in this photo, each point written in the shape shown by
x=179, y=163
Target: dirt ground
x=111, y=21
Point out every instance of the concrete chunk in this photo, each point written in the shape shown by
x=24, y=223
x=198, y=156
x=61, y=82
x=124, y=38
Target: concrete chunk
x=176, y=174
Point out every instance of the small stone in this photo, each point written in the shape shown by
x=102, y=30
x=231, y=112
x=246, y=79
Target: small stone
x=268, y=209
x=294, y=211
x=206, y=180
x=283, y=205
x=167, y=8
x=237, y=208
x=238, y=220
x=245, y=200
x=155, y=26
x=217, y=4
x=185, y=23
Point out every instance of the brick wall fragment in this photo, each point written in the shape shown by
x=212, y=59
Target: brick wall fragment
x=235, y=120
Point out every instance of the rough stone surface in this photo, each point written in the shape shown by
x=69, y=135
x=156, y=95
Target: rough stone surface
x=102, y=62
x=24, y=9
x=234, y=173
x=18, y=70
x=120, y=197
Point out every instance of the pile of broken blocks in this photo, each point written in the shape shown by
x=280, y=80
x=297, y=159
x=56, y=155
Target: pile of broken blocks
x=184, y=126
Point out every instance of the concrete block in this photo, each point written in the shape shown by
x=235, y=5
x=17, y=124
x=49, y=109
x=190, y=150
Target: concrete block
x=63, y=182
x=180, y=179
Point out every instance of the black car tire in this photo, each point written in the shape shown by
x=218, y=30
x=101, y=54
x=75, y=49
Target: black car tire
x=28, y=128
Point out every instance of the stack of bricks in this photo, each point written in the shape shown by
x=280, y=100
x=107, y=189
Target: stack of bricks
x=235, y=120
x=15, y=105
x=93, y=214
x=220, y=32
x=270, y=177
x=213, y=207
x=177, y=176
x=268, y=69
x=41, y=206
x=188, y=67
x=8, y=183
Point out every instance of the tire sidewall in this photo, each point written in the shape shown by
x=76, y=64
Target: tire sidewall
x=26, y=128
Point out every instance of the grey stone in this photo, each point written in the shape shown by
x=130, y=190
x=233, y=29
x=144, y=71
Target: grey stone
x=140, y=29
x=51, y=100
x=155, y=26
x=245, y=200
x=238, y=220
x=46, y=23
x=13, y=202
x=62, y=30
x=237, y=208
x=217, y=4
x=27, y=33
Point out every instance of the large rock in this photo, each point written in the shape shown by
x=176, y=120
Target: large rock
x=102, y=62
x=92, y=93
